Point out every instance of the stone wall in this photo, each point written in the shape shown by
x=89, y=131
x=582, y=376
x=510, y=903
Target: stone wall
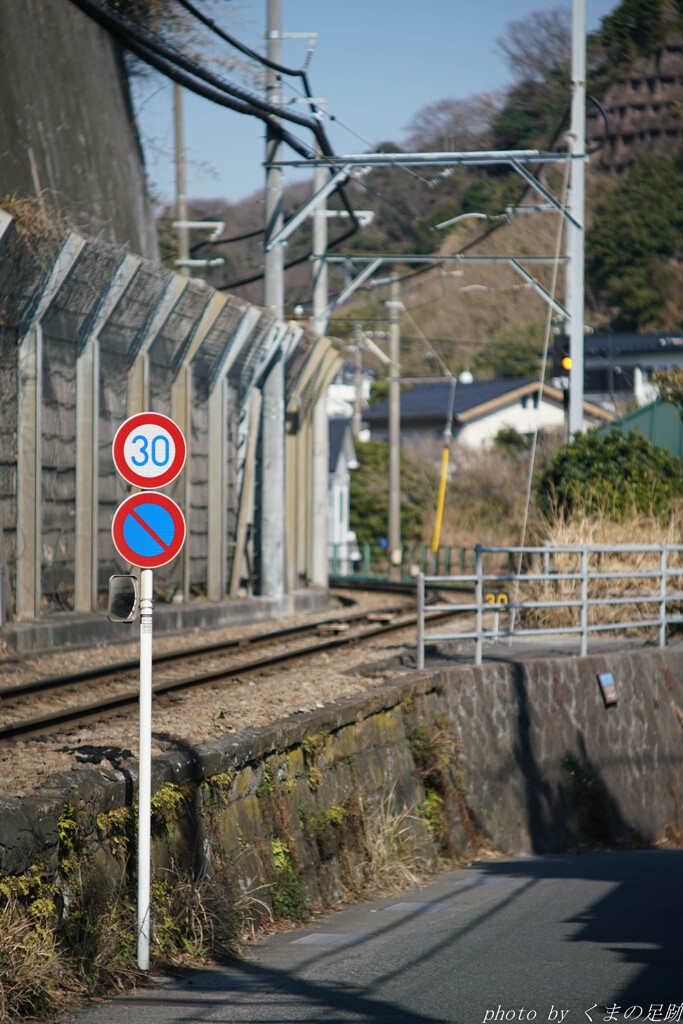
x=644, y=106
x=518, y=756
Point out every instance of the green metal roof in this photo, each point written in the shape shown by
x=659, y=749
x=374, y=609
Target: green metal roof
x=660, y=422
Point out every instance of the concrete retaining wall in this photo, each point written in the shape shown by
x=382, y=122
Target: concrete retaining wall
x=522, y=756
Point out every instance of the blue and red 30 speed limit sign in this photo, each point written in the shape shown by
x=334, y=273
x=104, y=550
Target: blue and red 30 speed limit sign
x=148, y=530
x=149, y=450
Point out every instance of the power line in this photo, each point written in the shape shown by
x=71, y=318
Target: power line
x=232, y=41
x=133, y=35
x=185, y=71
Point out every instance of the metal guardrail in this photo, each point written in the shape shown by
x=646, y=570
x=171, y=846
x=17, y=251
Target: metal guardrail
x=374, y=560
x=579, y=583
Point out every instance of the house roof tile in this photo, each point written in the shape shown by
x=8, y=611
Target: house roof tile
x=623, y=344
x=431, y=401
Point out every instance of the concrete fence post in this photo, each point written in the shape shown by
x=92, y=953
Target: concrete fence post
x=421, y=621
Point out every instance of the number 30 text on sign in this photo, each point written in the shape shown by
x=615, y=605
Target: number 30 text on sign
x=149, y=450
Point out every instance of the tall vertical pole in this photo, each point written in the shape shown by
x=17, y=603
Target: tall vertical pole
x=420, y=658
x=87, y=474
x=181, y=197
x=274, y=292
x=576, y=234
x=394, y=538
x=29, y=469
x=145, y=767
x=358, y=397
x=320, y=276
x=273, y=408
x=319, y=467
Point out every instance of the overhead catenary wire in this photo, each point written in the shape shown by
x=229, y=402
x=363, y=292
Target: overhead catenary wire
x=305, y=94
x=544, y=362
x=131, y=33
x=172, y=63
x=297, y=261
x=265, y=61
x=256, y=233
x=186, y=71
x=241, y=47
x=284, y=70
x=425, y=339
x=486, y=233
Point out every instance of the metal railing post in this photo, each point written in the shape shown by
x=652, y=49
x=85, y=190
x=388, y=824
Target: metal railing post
x=420, y=621
x=584, y=601
x=662, y=596
x=479, y=600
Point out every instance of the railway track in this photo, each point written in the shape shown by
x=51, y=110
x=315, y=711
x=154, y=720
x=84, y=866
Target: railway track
x=17, y=699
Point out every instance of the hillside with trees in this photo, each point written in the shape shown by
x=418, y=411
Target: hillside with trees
x=483, y=317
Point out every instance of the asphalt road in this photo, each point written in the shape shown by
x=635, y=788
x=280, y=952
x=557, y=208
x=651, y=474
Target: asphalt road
x=565, y=939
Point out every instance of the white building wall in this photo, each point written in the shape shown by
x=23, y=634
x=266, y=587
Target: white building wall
x=481, y=433
x=338, y=520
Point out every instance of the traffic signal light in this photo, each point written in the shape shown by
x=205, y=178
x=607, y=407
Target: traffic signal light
x=562, y=362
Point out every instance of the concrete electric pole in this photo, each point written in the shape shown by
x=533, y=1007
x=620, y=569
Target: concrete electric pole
x=272, y=575
x=394, y=307
x=320, y=273
x=273, y=290
x=182, y=231
x=577, y=142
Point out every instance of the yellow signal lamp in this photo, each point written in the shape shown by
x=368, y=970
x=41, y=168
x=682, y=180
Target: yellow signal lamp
x=566, y=363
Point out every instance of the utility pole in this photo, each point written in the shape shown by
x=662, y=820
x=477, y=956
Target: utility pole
x=575, y=236
x=319, y=468
x=357, y=400
x=272, y=544
x=182, y=233
x=273, y=290
x=394, y=307
x=320, y=273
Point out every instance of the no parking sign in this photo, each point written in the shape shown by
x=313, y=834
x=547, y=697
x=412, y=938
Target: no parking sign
x=148, y=530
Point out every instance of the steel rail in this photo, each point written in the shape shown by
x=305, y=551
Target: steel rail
x=73, y=715
x=116, y=668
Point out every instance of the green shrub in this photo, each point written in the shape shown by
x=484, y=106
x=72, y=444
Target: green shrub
x=612, y=475
x=369, y=494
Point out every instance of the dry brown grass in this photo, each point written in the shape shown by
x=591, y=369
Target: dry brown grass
x=29, y=966
x=391, y=865
x=42, y=230
x=486, y=497
x=636, y=529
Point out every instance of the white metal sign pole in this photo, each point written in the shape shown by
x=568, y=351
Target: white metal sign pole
x=576, y=234
x=145, y=769
x=148, y=530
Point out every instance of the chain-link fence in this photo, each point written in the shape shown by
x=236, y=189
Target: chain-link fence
x=89, y=335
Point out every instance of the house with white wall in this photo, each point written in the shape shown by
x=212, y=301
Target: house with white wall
x=475, y=411
x=341, y=539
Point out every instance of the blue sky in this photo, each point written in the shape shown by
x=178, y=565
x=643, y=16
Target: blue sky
x=377, y=62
